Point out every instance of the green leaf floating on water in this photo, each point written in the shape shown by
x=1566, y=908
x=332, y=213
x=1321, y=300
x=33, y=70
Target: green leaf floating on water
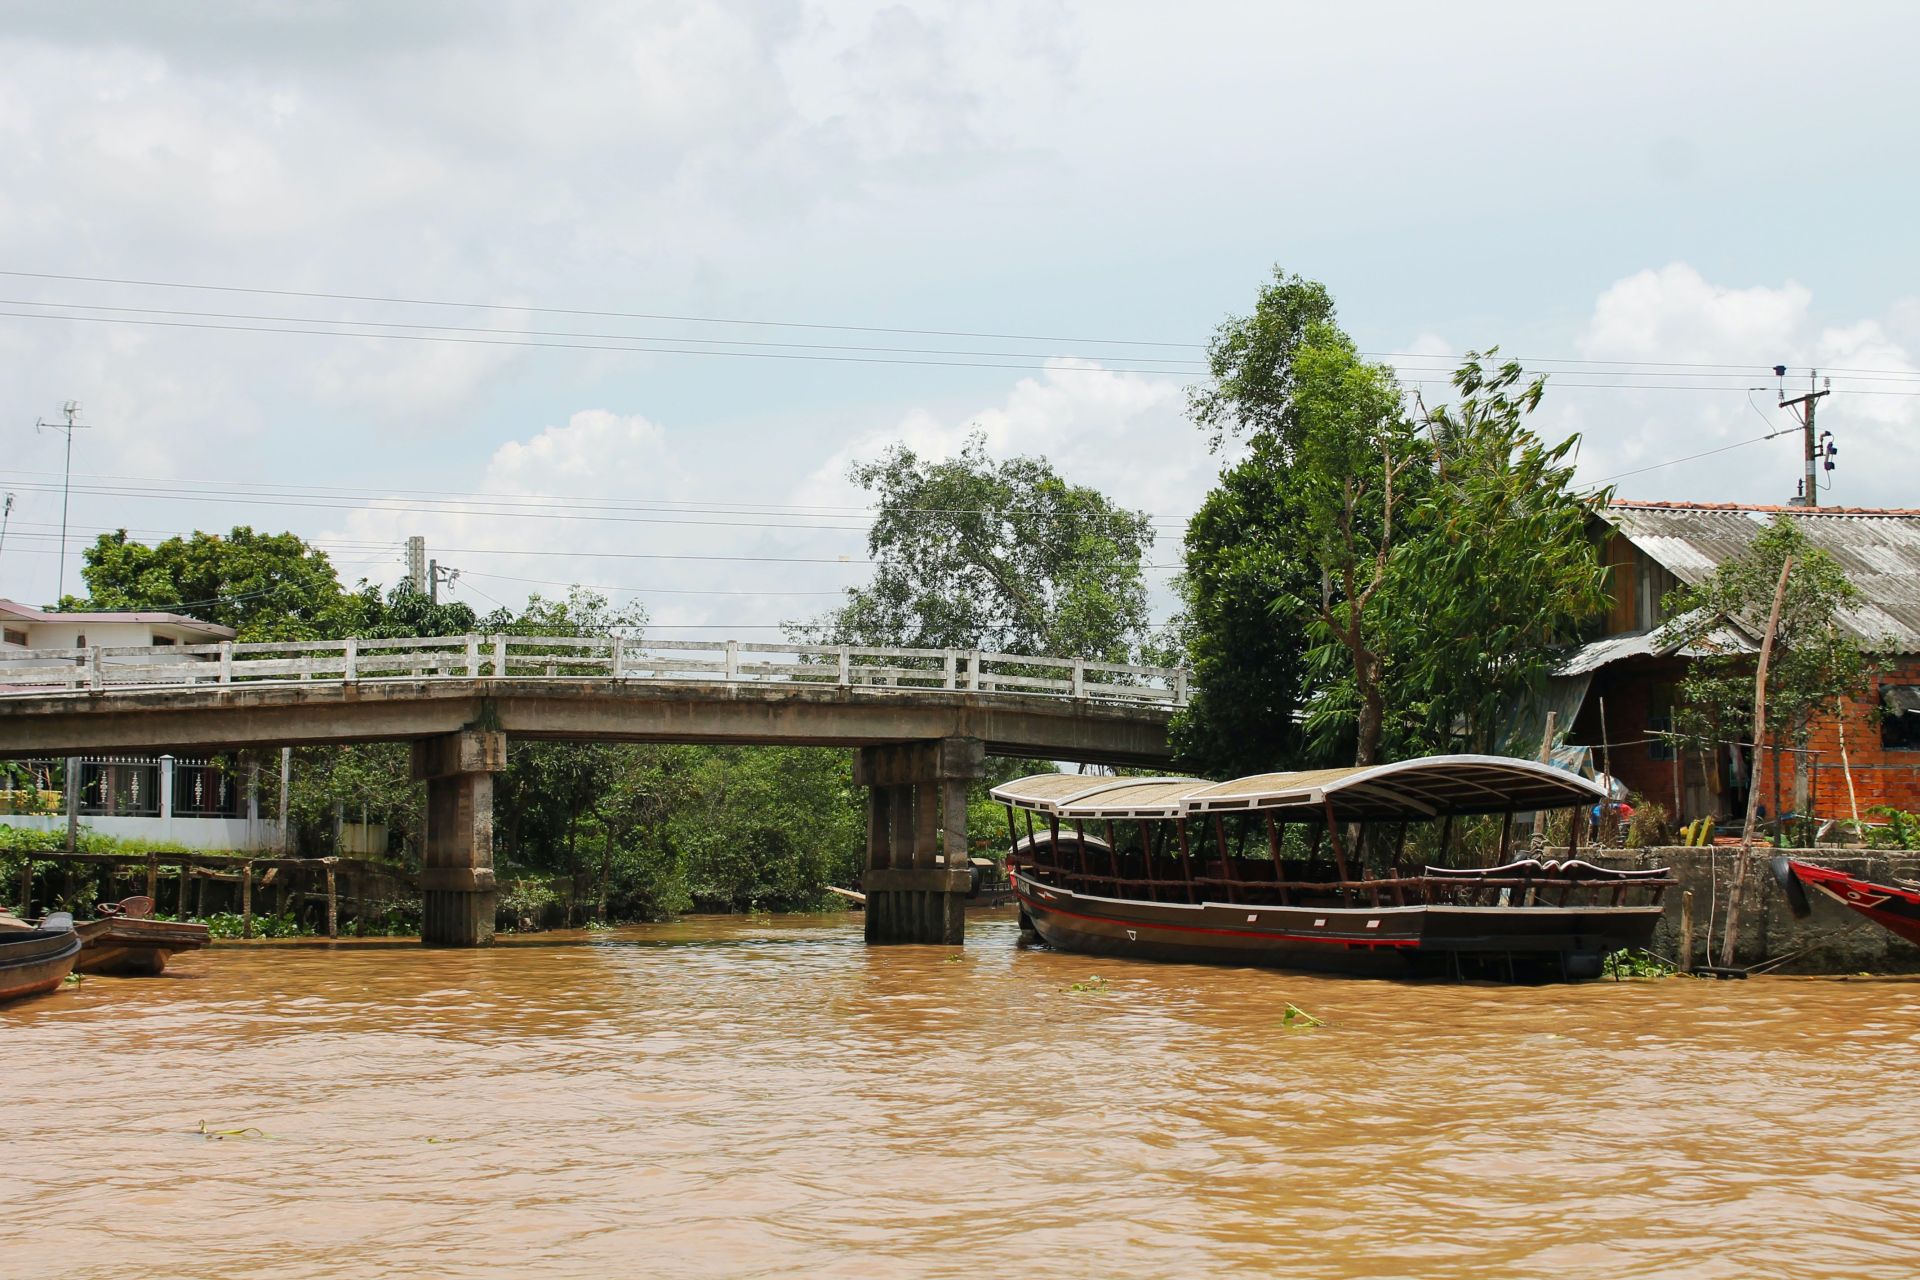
x=1298, y=1019
x=1089, y=987
x=217, y=1135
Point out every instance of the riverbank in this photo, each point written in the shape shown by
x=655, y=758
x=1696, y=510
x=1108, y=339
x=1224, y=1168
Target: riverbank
x=1833, y=940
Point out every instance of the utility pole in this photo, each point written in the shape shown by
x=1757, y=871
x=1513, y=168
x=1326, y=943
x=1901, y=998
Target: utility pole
x=435, y=576
x=6, y=516
x=72, y=411
x=1803, y=408
x=417, y=563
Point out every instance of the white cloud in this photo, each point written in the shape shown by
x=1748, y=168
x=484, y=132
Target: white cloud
x=1675, y=316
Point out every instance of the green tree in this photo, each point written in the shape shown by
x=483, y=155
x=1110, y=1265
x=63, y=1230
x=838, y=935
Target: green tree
x=1004, y=556
x=1505, y=574
x=1364, y=583
x=1815, y=661
x=266, y=586
x=1358, y=468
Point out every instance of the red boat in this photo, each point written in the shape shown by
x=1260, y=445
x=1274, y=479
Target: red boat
x=1891, y=906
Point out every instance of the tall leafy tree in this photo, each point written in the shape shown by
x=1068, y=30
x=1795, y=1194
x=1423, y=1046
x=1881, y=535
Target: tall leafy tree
x=1814, y=662
x=1365, y=582
x=1243, y=545
x=1505, y=573
x=970, y=552
x=1359, y=468
x=267, y=586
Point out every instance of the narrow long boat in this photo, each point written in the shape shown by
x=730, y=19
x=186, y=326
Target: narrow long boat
x=1895, y=907
x=1340, y=870
x=33, y=961
x=126, y=940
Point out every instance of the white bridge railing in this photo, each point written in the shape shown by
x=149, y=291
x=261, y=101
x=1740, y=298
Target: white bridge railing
x=573, y=657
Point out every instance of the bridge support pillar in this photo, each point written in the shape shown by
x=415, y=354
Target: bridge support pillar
x=918, y=875
x=457, y=889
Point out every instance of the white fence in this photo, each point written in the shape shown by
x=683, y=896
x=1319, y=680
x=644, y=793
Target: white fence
x=573, y=657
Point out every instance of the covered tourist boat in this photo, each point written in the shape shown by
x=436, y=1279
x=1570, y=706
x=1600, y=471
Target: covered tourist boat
x=1891, y=906
x=1343, y=870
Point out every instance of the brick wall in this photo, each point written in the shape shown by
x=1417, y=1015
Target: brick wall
x=1635, y=696
x=1880, y=776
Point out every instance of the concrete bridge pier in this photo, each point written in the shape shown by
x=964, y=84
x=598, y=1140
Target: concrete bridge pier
x=917, y=873
x=457, y=888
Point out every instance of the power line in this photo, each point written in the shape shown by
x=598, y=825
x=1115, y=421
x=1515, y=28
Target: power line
x=578, y=311
x=1453, y=359
x=1707, y=453
x=588, y=346
x=1053, y=365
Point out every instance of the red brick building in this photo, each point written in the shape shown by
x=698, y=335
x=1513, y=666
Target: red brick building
x=1620, y=689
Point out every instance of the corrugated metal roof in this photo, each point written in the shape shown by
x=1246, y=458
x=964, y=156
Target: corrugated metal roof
x=1589, y=658
x=1878, y=549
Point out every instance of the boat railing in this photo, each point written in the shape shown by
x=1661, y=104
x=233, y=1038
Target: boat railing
x=1548, y=885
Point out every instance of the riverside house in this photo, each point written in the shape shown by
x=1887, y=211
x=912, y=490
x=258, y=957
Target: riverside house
x=198, y=803
x=1628, y=676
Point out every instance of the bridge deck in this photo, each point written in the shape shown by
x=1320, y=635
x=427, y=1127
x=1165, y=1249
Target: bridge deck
x=292, y=713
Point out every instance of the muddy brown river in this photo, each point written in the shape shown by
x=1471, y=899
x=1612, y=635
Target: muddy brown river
x=768, y=1097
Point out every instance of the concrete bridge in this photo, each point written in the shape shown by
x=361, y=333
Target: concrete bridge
x=922, y=721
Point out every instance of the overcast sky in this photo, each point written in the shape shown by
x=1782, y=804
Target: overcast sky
x=1680, y=196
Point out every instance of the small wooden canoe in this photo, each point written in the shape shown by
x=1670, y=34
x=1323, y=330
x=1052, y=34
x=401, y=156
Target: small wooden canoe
x=126, y=940
x=34, y=961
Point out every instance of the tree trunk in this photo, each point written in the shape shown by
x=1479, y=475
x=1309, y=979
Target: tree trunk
x=1743, y=863
x=1370, y=722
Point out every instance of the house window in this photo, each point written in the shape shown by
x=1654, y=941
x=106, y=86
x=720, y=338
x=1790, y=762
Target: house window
x=1900, y=719
x=160, y=640
x=80, y=641
x=16, y=637
x=1660, y=746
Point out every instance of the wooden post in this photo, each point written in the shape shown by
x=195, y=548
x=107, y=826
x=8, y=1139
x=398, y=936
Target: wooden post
x=186, y=888
x=1685, y=949
x=246, y=899
x=26, y=886
x=73, y=804
x=1742, y=863
x=153, y=877
x=333, y=904
x=286, y=779
x=1603, y=838
x=1339, y=849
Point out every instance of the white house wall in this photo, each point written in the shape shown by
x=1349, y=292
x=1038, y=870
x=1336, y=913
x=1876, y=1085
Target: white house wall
x=193, y=833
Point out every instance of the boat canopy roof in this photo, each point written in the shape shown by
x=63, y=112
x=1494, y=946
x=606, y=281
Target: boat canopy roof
x=1051, y=793
x=1142, y=798
x=1428, y=787
x=1408, y=790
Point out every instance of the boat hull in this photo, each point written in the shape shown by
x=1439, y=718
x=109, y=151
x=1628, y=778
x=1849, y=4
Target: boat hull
x=1498, y=942
x=1891, y=907
x=35, y=961
x=134, y=946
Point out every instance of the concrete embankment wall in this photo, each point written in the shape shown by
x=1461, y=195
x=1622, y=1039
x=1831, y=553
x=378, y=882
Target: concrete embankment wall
x=1832, y=940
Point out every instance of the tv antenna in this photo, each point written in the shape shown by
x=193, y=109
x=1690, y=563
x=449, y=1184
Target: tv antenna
x=71, y=411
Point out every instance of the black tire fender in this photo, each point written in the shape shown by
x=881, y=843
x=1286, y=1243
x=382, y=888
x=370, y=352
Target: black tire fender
x=1790, y=885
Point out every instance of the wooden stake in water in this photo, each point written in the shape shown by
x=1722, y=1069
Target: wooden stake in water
x=1686, y=932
